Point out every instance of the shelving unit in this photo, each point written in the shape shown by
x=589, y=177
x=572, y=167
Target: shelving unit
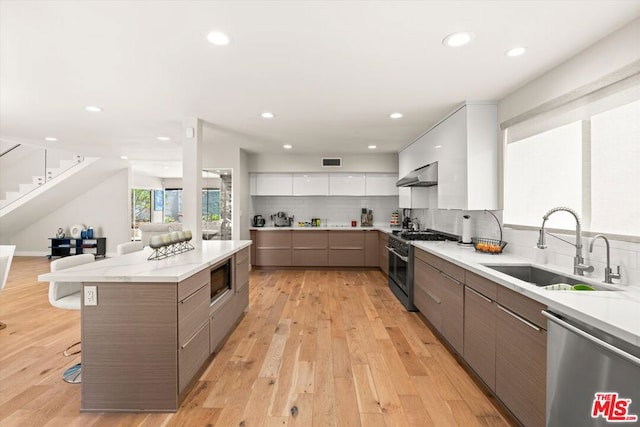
x=69, y=246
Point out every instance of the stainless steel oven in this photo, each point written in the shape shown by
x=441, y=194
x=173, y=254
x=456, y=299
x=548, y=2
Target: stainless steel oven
x=401, y=271
x=401, y=262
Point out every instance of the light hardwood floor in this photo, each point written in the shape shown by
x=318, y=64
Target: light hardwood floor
x=317, y=348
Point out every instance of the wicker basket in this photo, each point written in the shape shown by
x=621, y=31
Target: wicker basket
x=489, y=246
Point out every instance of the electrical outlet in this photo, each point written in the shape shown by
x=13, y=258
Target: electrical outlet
x=90, y=295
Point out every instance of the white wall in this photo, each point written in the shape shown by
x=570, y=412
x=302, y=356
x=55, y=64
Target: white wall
x=291, y=162
x=105, y=208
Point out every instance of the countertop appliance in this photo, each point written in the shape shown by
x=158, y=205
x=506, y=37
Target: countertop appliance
x=281, y=219
x=258, y=221
x=401, y=261
x=425, y=176
x=366, y=218
x=592, y=377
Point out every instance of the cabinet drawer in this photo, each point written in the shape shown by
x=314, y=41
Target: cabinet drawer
x=346, y=240
x=525, y=307
x=241, y=299
x=346, y=257
x=453, y=312
x=480, y=335
x=220, y=323
x=241, y=272
x=192, y=355
x=192, y=284
x=453, y=271
x=521, y=353
x=428, y=258
x=273, y=239
x=309, y=239
x=273, y=257
x=309, y=257
x=485, y=286
x=242, y=255
x=193, y=311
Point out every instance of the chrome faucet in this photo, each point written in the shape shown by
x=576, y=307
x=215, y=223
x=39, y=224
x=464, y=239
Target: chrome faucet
x=609, y=275
x=579, y=267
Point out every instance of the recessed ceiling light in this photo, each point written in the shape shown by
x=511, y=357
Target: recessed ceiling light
x=395, y=115
x=51, y=139
x=287, y=146
x=218, y=38
x=516, y=51
x=457, y=39
x=267, y=115
x=93, y=108
x=163, y=138
x=372, y=147
x=437, y=147
x=124, y=157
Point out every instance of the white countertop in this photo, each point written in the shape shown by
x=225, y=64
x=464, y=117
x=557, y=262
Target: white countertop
x=331, y=227
x=617, y=313
x=134, y=267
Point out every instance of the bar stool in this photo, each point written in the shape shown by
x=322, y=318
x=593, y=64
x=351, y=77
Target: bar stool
x=128, y=247
x=66, y=295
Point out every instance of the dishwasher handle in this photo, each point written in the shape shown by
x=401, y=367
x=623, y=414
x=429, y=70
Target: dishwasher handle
x=555, y=319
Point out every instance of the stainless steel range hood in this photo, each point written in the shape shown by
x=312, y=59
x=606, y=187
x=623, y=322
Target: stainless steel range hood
x=424, y=176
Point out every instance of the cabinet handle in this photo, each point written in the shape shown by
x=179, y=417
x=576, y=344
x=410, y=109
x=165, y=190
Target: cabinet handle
x=403, y=258
x=183, y=346
x=450, y=278
x=512, y=314
x=433, y=297
x=479, y=294
x=192, y=295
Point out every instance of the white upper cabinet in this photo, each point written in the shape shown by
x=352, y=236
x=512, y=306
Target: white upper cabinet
x=310, y=184
x=347, y=184
x=273, y=184
x=381, y=184
x=465, y=145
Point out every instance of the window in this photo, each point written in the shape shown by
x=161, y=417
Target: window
x=583, y=154
x=140, y=206
x=542, y=172
x=173, y=204
x=615, y=170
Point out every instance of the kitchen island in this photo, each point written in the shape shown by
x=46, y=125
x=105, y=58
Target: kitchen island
x=150, y=327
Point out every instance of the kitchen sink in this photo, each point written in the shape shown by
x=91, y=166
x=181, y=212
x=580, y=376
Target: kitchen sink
x=540, y=277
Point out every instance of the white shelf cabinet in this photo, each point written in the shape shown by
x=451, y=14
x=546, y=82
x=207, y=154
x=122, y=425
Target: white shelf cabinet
x=310, y=184
x=381, y=184
x=347, y=184
x=465, y=145
x=273, y=184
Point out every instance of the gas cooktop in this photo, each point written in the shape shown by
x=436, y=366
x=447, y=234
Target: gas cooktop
x=428, y=235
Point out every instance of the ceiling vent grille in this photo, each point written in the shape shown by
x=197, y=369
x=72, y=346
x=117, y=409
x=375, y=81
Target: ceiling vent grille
x=331, y=162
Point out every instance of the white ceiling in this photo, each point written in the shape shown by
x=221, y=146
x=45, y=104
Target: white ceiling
x=331, y=71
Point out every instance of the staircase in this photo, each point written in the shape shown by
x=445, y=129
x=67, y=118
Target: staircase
x=37, y=181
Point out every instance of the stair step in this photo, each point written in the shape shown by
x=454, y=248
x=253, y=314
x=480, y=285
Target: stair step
x=25, y=188
x=38, y=180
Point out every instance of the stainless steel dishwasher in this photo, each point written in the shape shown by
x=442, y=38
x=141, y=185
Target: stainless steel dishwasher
x=593, y=378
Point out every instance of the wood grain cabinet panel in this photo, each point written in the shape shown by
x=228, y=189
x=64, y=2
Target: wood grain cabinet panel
x=480, y=335
x=371, y=253
x=521, y=351
x=309, y=248
x=241, y=270
x=273, y=248
x=220, y=322
x=191, y=355
x=383, y=257
x=452, y=328
x=346, y=248
x=427, y=290
x=129, y=348
x=193, y=312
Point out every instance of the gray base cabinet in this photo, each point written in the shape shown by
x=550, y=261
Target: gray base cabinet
x=500, y=333
x=521, y=357
x=144, y=344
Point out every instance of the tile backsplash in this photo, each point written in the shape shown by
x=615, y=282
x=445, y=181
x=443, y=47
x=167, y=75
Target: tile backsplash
x=523, y=243
x=337, y=210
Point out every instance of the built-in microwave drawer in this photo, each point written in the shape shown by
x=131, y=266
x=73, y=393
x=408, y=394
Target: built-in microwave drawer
x=193, y=311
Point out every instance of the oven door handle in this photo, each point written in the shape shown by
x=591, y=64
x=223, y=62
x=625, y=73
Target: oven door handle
x=403, y=258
